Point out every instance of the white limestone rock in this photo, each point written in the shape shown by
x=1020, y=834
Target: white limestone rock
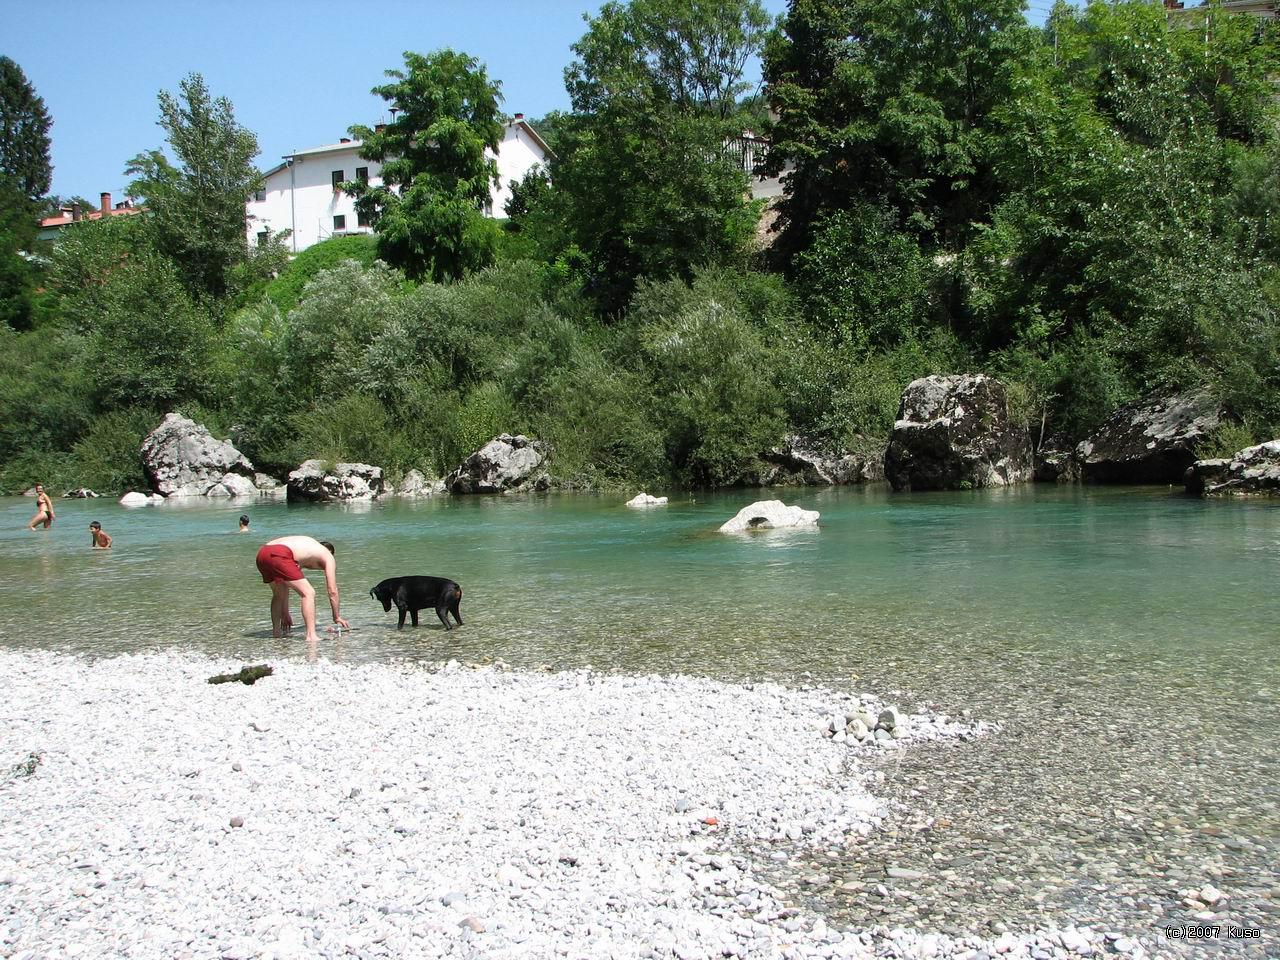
x=769, y=514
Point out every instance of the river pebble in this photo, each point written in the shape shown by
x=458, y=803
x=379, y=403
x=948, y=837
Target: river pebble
x=398, y=810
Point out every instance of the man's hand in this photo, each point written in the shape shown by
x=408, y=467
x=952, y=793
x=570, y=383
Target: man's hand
x=342, y=623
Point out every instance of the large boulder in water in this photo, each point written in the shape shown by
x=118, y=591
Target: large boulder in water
x=801, y=461
x=1253, y=471
x=182, y=459
x=502, y=465
x=415, y=485
x=1154, y=440
x=767, y=515
x=315, y=482
x=954, y=432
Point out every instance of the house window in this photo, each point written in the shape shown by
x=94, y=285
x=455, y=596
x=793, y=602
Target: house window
x=339, y=223
x=338, y=177
x=362, y=174
x=259, y=196
x=362, y=218
x=263, y=237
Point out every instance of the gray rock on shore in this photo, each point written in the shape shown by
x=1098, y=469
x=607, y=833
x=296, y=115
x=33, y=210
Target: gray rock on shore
x=81, y=493
x=1253, y=471
x=1153, y=440
x=315, y=482
x=505, y=464
x=803, y=462
x=954, y=432
x=414, y=484
x=182, y=459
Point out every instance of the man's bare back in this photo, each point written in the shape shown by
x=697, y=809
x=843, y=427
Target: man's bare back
x=307, y=551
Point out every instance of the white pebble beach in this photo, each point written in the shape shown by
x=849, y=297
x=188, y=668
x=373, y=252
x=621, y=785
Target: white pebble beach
x=399, y=810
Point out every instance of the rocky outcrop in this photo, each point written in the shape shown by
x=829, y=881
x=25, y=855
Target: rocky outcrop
x=954, y=433
x=1154, y=440
x=768, y=514
x=415, y=484
x=1253, y=471
x=803, y=462
x=1056, y=466
x=643, y=499
x=505, y=464
x=314, y=482
x=182, y=459
x=268, y=486
x=81, y=493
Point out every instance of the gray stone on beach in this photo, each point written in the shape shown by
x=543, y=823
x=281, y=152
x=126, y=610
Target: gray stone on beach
x=181, y=458
x=1253, y=471
x=415, y=484
x=802, y=461
x=505, y=464
x=954, y=432
x=1153, y=440
x=316, y=482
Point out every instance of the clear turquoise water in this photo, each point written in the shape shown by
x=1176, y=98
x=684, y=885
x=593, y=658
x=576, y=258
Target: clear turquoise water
x=1126, y=638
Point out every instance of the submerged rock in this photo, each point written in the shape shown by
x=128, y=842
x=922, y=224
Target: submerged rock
x=767, y=514
x=643, y=499
x=954, y=432
x=1253, y=471
x=1153, y=440
x=182, y=459
x=801, y=461
x=506, y=463
x=313, y=483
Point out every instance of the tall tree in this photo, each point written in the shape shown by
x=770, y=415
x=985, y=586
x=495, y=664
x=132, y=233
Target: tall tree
x=24, y=134
x=25, y=174
x=654, y=189
x=197, y=204
x=887, y=102
x=436, y=179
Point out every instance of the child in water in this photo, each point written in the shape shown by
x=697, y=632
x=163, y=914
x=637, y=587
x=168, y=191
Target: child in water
x=101, y=539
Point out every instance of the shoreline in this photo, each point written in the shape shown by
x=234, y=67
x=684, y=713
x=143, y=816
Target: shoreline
x=399, y=810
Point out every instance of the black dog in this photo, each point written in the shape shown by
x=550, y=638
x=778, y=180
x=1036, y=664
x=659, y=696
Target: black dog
x=411, y=594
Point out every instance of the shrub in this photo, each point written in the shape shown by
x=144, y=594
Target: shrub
x=285, y=291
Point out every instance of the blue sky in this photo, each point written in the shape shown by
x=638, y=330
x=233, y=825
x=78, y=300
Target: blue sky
x=298, y=73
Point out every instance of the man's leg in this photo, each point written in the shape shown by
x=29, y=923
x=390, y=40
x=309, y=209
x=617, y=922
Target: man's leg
x=308, y=594
x=279, y=608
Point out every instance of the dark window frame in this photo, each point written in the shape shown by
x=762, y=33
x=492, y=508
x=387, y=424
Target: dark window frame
x=362, y=174
x=339, y=226
x=339, y=177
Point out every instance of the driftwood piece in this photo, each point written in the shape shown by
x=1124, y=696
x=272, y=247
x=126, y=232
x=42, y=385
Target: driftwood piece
x=244, y=675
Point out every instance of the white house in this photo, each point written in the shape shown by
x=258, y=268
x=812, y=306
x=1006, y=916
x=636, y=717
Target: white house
x=301, y=194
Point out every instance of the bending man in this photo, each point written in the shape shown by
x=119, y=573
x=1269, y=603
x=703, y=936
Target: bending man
x=280, y=562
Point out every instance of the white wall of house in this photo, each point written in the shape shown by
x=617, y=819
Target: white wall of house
x=299, y=193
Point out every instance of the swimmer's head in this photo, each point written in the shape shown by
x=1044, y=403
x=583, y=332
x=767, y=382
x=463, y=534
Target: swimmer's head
x=244, y=519
x=328, y=546
x=95, y=525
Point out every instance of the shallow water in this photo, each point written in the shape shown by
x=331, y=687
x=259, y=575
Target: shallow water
x=1125, y=638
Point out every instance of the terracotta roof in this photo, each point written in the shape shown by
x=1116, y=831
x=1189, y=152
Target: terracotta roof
x=63, y=219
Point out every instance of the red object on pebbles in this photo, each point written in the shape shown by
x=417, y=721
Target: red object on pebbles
x=710, y=821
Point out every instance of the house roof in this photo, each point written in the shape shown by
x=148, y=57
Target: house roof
x=65, y=218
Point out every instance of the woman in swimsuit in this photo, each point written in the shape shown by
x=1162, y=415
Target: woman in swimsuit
x=44, y=510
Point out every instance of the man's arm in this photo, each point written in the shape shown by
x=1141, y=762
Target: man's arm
x=331, y=586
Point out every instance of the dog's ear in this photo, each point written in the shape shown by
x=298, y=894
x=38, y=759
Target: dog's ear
x=372, y=595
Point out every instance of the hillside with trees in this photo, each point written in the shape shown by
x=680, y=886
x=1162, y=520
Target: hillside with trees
x=1089, y=210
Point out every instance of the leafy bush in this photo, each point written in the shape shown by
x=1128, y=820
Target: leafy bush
x=285, y=291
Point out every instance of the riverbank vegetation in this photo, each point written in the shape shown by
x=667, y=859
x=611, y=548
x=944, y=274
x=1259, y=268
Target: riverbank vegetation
x=1089, y=210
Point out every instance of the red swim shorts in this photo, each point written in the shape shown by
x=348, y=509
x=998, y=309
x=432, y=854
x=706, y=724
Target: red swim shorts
x=275, y=563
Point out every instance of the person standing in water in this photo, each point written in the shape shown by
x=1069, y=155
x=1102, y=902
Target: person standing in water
x=101, y=539
x=244, y=523
x=280, y=562
x=44, y=510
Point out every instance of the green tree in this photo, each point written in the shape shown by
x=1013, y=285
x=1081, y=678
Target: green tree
x=25, y=171
x=652, y=186
x=889, y=103
x=436, y=179
x=196, y=204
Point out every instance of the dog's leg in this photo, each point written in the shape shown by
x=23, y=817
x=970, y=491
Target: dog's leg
x=403, y=611
x=442, y=611
x=455, y=608
x=413, y=612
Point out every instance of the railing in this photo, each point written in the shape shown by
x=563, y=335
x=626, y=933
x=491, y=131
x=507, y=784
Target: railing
x=747, y=151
